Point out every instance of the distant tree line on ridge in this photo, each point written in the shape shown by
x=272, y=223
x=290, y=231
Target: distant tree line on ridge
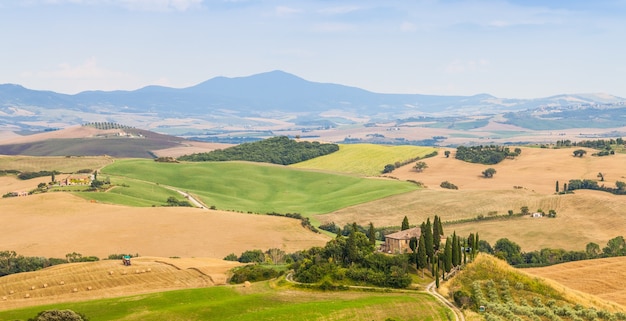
x=512, y=253
x=487, y=155
x=390, y=167
x=276, y=150
x=106, y=125
x=574, y=184
x=11, y=262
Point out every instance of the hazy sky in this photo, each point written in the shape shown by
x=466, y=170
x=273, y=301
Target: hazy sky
x=508, y=48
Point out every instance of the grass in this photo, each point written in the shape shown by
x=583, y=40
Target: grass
x=515, y=295
x=260, y=302
x=59, y=163
x=364, y=159
x=259, y=188
x=132, y=192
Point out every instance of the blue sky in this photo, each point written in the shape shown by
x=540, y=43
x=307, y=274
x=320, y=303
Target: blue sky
x=510, y=49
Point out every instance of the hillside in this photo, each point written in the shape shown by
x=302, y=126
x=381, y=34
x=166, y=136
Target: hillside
x=535, y=171
x=110, y=278
x=605, y=278
x=54, y=224
x=89, y=141
x=507, y=293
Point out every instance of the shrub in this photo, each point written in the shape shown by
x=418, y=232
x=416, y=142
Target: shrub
x=59, y=315
x=253, y=273
x=448, y=185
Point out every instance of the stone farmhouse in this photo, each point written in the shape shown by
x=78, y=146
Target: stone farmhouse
x=399, y=242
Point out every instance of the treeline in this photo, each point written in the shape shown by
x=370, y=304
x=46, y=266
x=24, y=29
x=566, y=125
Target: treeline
x=487, y=155
x=106, y=125
x=276, y=150
x=596, y=144
x=512, y=253
x=305, y=221
x=29, y=175
x=574, y=184
x=390, y=167
x=11, y=262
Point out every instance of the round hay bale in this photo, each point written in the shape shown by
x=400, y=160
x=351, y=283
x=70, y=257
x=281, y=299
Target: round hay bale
x=89, y=288
x=26, y=296
x=110, y=272
x=143, y=271
x=149, y=270
x=123, y=272
x=11, y=292
x=74, y=290
x=4, y=298
x=62, y=283
x=45, y=285
x=247, y=284
x=33, y=287
x=136, y=271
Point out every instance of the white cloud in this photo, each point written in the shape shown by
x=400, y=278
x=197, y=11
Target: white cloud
x=408, y=26
x=138, y=5
x=333, y=27
x=338, y=10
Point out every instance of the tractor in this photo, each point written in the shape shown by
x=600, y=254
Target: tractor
x=126, y=260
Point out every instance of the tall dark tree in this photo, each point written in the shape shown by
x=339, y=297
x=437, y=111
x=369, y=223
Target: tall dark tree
x=427, y=231
x=447, y=255
x=372, y=234
x=455, y=250
x=413, y=244
x=422, y=259
x=53, y=177
x=436, y=233
x=557, y=186
x=405, y=224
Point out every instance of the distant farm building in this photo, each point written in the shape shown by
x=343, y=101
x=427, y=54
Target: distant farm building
x=537, y=215
x=77, y=179
x=399, y=242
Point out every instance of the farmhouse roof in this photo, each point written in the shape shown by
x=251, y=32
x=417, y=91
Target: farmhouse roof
x=406, y=234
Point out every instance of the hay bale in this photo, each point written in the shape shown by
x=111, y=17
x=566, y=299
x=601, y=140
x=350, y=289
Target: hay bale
x=123, y=272
x=149, y=270
x=143, y=271
x=110, y=272
x=4, y=298
x=89, y=288
x=45, y=285
x=26, y=296
x=33, y=287
x=136, y=271
x=62, y=283
x=74, y=290
x=11, y=292
x=247, y=284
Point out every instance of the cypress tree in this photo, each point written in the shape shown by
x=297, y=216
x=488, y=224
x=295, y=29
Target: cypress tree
x=447, y=255
x=557, y=186
x=455, y=250
x=428, y=239
x=436, y=274
x=405, y=224
x=372, y=234
x=436, y=234
x=421, y=255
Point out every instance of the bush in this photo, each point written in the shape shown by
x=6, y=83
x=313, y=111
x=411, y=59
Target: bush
x=59, y=315
x=231, y=257
x=448, y=185
x=253, y=273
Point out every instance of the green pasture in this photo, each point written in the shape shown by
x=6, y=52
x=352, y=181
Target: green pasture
x=132, y=192
x=364, y=159
x=252, y=187
x=259, y=303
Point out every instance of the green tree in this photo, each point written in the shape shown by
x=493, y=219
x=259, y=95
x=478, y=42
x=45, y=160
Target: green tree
x=621, y=186
x=508, y=250
x=58, y=315
x=455, y=250
x=593, y=250
x=413, y=244
x=447, y=255
x=615, y=247
x=420, y=166
x=422, y=259
x=600, y=176
x=405, y=224
x=557, y=186
x=436, y=233
x=53, y=177
x=427, y=231
x=388, y=168
x=579, y=153
x=489, y=172
x=524, y=210
x=372, y=234
x=447, y=153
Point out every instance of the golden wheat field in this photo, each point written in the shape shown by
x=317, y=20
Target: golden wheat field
x=55, y=224
x=604, y=278
x=110, y=278
x=583, y=217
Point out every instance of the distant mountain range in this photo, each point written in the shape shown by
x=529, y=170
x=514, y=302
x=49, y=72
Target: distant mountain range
x=222, y=101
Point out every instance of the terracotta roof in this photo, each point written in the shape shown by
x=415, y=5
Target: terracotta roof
x=406, y=234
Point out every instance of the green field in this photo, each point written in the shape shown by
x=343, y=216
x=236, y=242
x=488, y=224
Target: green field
x=132, y=192
x=364, y=159
x=261, y=302
x=250, y=187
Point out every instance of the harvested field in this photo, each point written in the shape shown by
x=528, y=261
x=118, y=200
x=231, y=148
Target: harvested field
x=55, y=224
x=605, y=278
x=110, y=278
